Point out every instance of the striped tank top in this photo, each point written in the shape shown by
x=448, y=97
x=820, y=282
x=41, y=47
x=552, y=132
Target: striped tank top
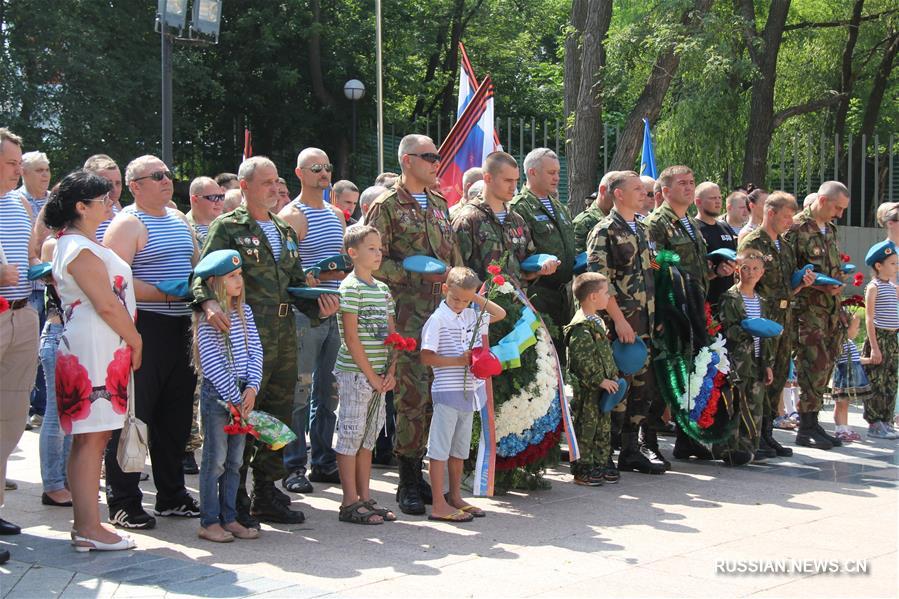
x=850, y=353
x=273, y=235
x=324, y=237
x=548, y=206
x=167, y=255
x=886, y=306
x=101, y=230
x=15, y=232
x=754, y=310
x=37, y=205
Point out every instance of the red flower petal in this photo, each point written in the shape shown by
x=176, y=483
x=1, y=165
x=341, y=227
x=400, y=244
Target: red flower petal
x=494, y=269
x=499, y=280
x=4, y=305
x=118, y=373
x=73, y=390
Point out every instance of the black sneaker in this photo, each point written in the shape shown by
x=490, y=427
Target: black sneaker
x=588, y=478
x=189, y=463
x=132, y=517
x=297, y=482
x=186, y=508
x=267, y=509
x=610, y=473
x=320, y=476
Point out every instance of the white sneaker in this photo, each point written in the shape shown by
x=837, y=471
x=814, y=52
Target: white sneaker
x=891, y=432
x=876, y=431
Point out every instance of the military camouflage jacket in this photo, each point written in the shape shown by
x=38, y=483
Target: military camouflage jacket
x=552, y=233
x=731, y=312
x=590, y=358
x=668, y=233
x=775, y=285
x=265, y=281
x=823, y=251
x=583, y=224
x=407, y=230
x=614, y=250
x=482, y=239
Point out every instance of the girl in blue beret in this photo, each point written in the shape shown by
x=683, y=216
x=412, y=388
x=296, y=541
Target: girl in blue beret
x=231, y=368
x=882, y=346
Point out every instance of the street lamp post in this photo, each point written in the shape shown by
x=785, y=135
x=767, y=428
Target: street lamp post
x=354, y=90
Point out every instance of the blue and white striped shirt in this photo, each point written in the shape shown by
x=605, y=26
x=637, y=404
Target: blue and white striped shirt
x=245, y=359
x=886, y=306
x=685, y=220
x=632, y=224
x=501, y=216
x=15, y=233
x=850, y=353
x=754, y=310
x=422, y=199
x=324, y=237
x=167, y=255
x=101, y=230
x=36, y=205
x=547, y=203
x=273, y=235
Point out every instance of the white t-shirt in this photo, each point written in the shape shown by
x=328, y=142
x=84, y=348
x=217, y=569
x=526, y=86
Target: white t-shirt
x=449, y=334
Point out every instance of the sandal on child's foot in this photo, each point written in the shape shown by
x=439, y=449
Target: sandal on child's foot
x=388, y=515
x=359, y=513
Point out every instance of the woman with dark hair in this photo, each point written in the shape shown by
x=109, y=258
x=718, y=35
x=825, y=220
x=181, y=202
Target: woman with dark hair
x=98, y=349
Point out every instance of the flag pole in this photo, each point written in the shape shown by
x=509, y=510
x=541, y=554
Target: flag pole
x=380, y=86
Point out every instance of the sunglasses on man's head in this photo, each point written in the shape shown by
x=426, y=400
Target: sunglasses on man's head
x=317, y=168
x=157, y=176
x=428, y=157
x=215, y=198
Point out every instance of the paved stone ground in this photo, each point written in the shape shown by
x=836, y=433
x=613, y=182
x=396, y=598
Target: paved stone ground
x=646, y=536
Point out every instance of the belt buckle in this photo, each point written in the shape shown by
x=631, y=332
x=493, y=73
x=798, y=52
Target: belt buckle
x=784, y=304
x=436, y=288
x=283, y=309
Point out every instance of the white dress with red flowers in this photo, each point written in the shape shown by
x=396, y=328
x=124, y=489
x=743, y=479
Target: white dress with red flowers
x=93, y=364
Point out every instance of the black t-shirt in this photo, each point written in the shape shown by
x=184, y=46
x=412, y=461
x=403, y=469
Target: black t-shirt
x=717, y=236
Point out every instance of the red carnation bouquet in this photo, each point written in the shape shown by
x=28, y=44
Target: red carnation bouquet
x=395, y=344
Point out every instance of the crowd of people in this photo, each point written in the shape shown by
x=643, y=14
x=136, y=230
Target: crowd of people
x=255, y=301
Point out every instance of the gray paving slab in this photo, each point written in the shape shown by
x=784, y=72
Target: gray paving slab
x=41, y=581
x=85, y=586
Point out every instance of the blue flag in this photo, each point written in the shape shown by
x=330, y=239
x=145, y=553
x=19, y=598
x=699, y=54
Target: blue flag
x=648, y=158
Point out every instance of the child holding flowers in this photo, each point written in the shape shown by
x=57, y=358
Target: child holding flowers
x=364, y=373
x=231, y=366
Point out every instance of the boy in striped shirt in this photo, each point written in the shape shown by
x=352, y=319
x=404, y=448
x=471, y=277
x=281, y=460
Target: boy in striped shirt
x=364, y=373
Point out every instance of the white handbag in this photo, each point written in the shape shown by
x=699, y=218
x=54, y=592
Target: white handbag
x=132, y=450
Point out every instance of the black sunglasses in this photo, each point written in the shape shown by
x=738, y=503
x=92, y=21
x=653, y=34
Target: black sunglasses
x=317, y=168
x=215, y=198
x=650, y=194
x=428, y=157
x=157, y=176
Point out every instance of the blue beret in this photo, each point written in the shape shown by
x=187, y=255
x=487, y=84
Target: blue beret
x=536, y=262
x=722, y=254
x=761, y=327
x=796, y=279
x=825, y=280
x=629, y=357
x=311, y=292
x=334, y=263
x=39, y=271
x=425, y=265
x=848, y=269
x=580, y=263
x=607, y=400
x=880, y=252
x=174, y=287
x=218, y=263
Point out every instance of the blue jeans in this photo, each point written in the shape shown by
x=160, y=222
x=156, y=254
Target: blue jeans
x=54, y=445
x=39, y=391
x=316, y=355
x=222, y=458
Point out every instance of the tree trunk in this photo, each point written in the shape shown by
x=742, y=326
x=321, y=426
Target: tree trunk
x=878, y=86
x=847, y=77
x=761, y=104
x=586, y=133
x=315, y=58
x=572, y=65
x=649, y=104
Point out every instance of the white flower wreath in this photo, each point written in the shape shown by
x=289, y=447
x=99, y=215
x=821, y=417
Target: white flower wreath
x=519, y=412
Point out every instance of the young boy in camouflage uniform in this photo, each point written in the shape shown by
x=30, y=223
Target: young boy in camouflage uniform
x=748, y=358
x=591, y=370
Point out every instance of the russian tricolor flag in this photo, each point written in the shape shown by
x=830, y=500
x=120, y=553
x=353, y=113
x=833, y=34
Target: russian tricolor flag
x=473, y=136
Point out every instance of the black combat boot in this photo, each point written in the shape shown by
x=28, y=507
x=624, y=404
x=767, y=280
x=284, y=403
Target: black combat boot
x=809, y=435
x=771, y=442
x=686, y=448
x=634, y=457
x=618, y=419
x=649, y=441
x=764, y=451
x=424, y=489
x=833, y=440
x=243, y=509
x=735, y=457
x=268, y=508
x=408, y=495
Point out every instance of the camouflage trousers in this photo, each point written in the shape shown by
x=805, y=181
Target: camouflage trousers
x=883, y=377
x=196, y=433
x=751, y=401
x=818, y=343
x=641, y=392
x=782, y=350
x=593, y=430
x=412, y=402
x=278, y=337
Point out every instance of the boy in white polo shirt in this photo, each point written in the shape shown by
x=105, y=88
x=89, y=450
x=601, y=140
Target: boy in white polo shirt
x=455, y=392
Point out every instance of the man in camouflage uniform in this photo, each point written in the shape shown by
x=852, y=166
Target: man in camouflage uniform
x=412, y=219
x=775, y=286
x=820, y=330
x=488, y=231
x=268, y=270
x=585, y=221
x=619, y=247
x=671, y=228
x=590, y=363
x=552, y=233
